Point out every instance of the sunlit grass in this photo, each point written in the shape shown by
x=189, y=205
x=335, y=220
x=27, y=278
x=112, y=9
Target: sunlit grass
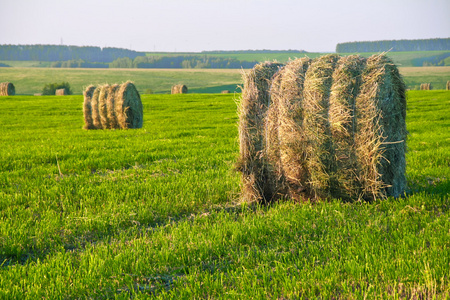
x=154, y=212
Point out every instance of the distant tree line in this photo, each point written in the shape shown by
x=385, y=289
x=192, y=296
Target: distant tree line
x=252, y=51
x=78, y=63
x=161, y=62
x=64, y=53
x=181, y=62
x=395, y=45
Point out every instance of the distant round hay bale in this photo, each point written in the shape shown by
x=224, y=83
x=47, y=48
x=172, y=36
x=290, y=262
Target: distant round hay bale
x=102, y=106
x=254, y=103
x=285, y=139
x=7, y=89
x=61, y=92
x=332, y=127
x=129, y=110
x=425, y=86
x=179, y=89
x=225, y=92
x=95, y=108
x=87, y=107
x=448, y=85
x=111, y=108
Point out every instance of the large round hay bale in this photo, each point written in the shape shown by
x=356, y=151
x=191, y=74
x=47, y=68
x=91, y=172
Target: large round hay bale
x=87, y=107
x=448, y=85
x=61, y=92
x=129, y=110
x=254, y=103
x=7, y=89
x=333, y=127
x=179, y=89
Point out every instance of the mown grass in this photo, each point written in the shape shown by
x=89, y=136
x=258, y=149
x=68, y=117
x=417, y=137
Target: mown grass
x=29, y=81
x=154, y=212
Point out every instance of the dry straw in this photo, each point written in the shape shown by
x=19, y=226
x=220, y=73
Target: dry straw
x=61, y=92
x=112, y=106
x=7, y=89
x=318, y=152
x=87, y=107
x=179, y=89
x=129, y=110
x=252, y=110
x=330, y=127
x=102, y=107
x=95, y=108
x=285, y=137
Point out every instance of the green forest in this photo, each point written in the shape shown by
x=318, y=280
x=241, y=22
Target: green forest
x=395, y=46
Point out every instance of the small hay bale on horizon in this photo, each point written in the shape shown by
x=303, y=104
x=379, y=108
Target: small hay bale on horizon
x=61, y=92
x=448, y=85
x=225, y=92
x=179, y=89
x=425, y=86
x=7, y=89
x=112, y=107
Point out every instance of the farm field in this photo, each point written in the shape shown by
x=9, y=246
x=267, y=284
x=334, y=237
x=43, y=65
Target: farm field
x=403, y=59
x=29, y=81
x=155, y=212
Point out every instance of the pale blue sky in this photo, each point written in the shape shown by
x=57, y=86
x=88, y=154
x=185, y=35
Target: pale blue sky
x=196, y=25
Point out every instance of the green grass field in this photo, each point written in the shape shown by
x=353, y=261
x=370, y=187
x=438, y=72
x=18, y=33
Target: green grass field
x=155, y=212
x=29, y=81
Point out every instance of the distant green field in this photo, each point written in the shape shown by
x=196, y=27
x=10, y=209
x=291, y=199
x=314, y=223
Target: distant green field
x=154, y=213
x=29, y=81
